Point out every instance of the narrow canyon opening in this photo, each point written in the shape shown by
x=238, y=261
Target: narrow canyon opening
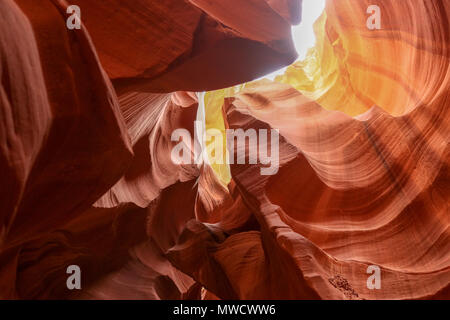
x=209, y=111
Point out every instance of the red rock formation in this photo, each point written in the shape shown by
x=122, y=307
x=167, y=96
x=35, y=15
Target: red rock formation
x=88, y=180
x=165, y=46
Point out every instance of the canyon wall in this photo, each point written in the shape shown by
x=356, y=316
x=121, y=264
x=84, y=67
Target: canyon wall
x=85, y=151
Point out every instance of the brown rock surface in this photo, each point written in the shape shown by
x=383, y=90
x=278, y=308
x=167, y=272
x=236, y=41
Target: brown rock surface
x=165, y=46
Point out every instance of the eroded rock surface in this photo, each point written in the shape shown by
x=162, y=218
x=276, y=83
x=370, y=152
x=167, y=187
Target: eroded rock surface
x=86, y=119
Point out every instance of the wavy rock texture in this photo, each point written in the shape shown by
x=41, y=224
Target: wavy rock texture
x=184, y=45
x=85, y=151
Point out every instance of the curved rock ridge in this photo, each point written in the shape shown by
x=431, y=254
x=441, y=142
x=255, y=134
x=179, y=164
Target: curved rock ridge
x=64, y=115
x=151, y=119
x=401, y=66
x=86, y=123
x=338, y=217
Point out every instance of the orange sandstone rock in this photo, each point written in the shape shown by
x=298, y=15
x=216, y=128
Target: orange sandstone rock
x=85, y=151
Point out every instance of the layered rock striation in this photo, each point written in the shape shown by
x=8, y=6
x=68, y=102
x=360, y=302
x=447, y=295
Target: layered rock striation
x=87, y=116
